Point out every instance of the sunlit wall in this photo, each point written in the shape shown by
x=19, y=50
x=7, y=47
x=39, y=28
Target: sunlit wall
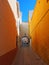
x=39, y=29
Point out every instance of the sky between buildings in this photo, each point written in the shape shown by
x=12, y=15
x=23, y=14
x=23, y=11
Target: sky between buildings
x=25, y=6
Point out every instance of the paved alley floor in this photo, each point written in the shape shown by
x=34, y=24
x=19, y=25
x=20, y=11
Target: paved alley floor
x=26, y=56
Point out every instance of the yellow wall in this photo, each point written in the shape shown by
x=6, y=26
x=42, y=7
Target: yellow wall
x=39, y=28
x=8, y=31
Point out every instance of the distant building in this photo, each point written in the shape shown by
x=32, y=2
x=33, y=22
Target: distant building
x=30, y=14
x=24, y=28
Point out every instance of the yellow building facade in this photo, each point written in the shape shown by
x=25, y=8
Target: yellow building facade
x=39, y=29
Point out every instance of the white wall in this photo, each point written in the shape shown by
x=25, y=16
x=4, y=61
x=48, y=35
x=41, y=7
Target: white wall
x=23, y=28
x=13, y=6
x=30, y=13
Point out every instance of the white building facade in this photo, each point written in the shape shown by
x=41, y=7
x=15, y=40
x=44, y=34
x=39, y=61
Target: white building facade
x=16, y=11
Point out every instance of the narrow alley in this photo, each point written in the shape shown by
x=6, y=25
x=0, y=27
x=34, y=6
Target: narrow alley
x=25, y=56
x=20, y=17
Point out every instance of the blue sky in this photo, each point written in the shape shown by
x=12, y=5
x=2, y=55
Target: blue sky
x=25, y=6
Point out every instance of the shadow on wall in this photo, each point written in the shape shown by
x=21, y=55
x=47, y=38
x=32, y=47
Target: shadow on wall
x=8, y=58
